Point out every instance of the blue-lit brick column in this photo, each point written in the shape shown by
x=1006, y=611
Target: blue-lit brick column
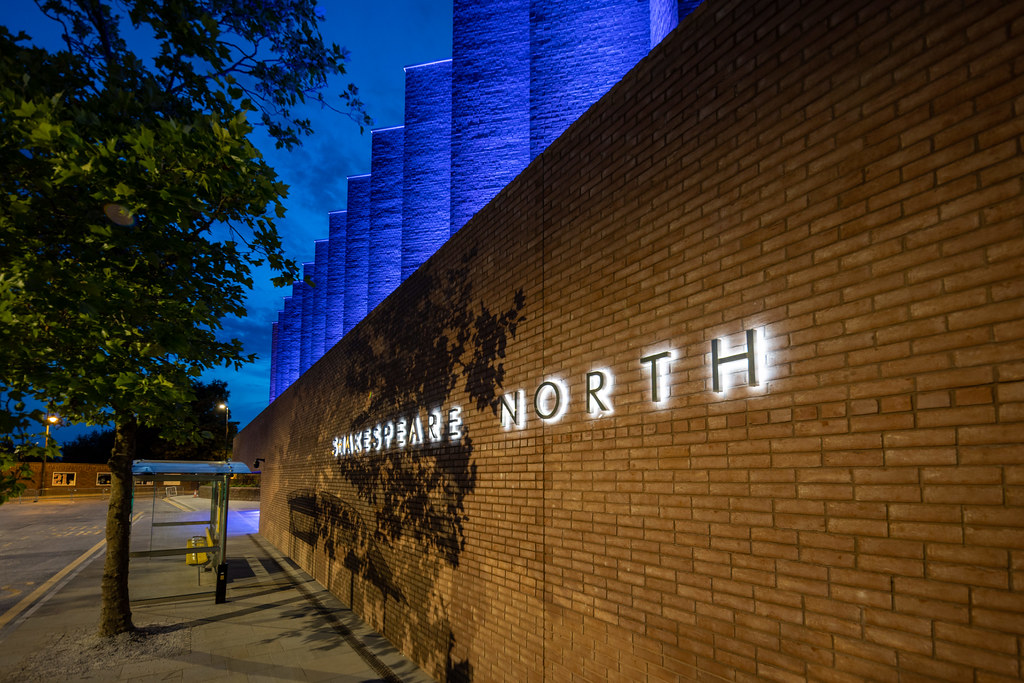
x=385, y=214
x=490, y=101
x=293, y=329
x=356, y=250
x=274, y=331
x=335, y=280
x=319, y=299
x=306, y=352
x=578, y=51
x=664, y=18
x=426, y=202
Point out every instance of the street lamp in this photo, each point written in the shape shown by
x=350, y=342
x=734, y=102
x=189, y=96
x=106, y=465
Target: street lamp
x=227, y=417
x=50, y=420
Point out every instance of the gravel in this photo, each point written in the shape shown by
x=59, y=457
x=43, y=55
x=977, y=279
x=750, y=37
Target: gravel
x=83, y=655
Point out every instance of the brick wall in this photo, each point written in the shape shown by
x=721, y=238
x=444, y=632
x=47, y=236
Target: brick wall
x=335, y=279
x=490, y=141
x=426, y=167
x=84, y=478
x=320, y=282
x=308, y=299
x=385, y=244
x=357, y=249
x=579, y=51
x=843, y=177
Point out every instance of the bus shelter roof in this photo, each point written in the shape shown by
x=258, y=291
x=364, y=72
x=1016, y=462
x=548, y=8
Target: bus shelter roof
x=188, y=468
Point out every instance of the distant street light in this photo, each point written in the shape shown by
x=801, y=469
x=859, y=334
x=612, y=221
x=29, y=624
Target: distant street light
x=227, y=442
x=50, y=420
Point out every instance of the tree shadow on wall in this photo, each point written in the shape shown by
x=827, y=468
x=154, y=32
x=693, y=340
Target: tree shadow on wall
x=429, y=339
x=456, y=671
x=412, y=358
x=318, y=517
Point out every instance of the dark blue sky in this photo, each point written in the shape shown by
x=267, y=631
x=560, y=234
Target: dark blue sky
x=383, y=36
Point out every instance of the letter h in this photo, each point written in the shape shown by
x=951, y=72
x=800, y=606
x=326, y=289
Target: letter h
x=750, y=356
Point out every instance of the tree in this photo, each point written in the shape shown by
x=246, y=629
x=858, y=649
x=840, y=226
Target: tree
x=94, y=447
x=135, y=206
x=207, y=439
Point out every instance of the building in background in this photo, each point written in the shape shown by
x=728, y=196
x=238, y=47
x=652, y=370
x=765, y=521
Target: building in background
x=520, y=74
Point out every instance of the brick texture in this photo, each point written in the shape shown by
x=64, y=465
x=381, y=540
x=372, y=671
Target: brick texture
x=85, y=479
x=843, y=177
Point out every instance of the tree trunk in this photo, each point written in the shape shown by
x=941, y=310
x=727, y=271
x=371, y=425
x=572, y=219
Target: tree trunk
x=115, y=609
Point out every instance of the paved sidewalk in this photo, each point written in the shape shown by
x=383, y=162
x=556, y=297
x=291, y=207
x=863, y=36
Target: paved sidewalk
x=278, y=624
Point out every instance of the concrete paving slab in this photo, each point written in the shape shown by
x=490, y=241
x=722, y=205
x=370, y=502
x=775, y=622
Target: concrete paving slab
x=277, y=624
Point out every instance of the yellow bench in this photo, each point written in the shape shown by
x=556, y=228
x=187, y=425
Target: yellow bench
x=198, y=558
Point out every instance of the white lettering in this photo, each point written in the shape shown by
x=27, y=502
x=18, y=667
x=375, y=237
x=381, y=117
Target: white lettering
x=754, y=357
x=599, y=387
x=659, y=374
x=551, y=399
x=455, y=423
x=416, y=432
x=400, y=432
x=434, y=426
x=512, y=413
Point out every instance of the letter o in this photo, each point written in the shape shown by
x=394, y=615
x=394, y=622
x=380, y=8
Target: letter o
x=556, y=409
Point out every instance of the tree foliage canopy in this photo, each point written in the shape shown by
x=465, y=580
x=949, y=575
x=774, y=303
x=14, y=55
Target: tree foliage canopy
x=209, y=441
x=134, y=202
x=134, y=206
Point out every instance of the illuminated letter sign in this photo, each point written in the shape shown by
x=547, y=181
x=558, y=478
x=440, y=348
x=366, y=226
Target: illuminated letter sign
x=750, y=355
x=552, y=397
x=658, y=374
x=444, y=425
x=598, y=390
x=552, y=406
x=551, y=400
x=512, y=412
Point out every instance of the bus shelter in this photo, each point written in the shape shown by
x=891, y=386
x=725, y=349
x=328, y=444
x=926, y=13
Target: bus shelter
x=206, y=547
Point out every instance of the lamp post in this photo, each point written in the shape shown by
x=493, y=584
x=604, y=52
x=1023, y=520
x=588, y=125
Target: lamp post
x=50, y=420
x=227, y=417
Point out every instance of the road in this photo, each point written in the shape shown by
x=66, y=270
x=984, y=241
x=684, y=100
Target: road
x=37, y=540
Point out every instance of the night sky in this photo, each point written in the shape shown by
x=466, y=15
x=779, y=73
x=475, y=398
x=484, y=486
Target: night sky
x=383, y=37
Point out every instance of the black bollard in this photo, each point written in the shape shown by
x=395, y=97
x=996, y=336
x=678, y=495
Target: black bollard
x=222, y=584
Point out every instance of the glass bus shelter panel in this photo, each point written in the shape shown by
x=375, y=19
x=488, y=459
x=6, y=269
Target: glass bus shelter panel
x=179, y=541
x=173, y=549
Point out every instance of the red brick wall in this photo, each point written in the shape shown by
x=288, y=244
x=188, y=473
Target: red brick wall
x=85, y=478
x=846, y=177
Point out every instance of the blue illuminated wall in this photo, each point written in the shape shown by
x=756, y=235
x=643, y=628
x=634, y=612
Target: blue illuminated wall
x=335, y=326
x=319, y=300
x=427, y=162
x=385, y=247
x=490, y=101
x=308, y=306
x=287, y=366
x=578, y=51
x=274, y=356
x=279, y=357
x=295, y=362
x=664, y=17
x=521, y=72
x=357, y=250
